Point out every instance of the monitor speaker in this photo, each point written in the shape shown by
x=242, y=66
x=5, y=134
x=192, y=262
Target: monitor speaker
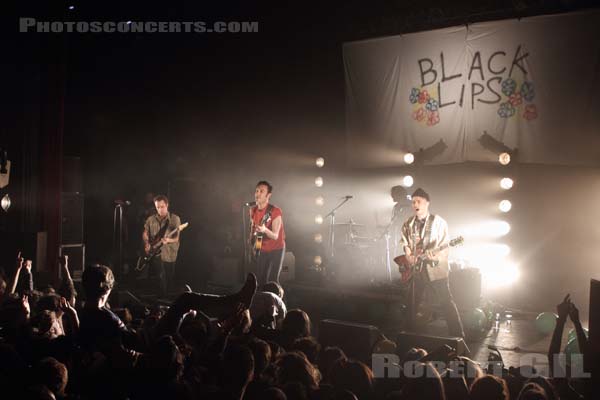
x=357, y=340
x=406, y=341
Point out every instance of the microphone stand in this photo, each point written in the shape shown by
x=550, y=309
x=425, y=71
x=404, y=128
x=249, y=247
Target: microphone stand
x=386, y=235
x=331, y=239
x=118, y=241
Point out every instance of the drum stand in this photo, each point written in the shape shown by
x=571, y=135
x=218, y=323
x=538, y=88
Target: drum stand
x=331, y=239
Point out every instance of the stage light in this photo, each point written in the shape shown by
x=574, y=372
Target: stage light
x=504, y=158
x=486, y=229
x=505, y=206
x=319, y=181
x=407, y=181
x=5, y=202
x=503, y=228
x=320, y=162
x=318, y=219
x=320, y=201
x=71, y=8
x=500, y=275
x=409, y=158
x=506, y=183
x=318, y=238
x=317, y=261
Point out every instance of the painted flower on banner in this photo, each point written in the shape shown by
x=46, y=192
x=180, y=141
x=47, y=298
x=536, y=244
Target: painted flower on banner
x=433, y=118
x=530, y=112
x=508, y=86
x=426, y=106
x=419, y=114
x=414, y=95
x=528, y=91
x=432, y=105
x=515, y=99
x=506, y=110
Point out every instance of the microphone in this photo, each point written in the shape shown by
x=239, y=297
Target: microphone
x=348, y=197
x=250, y=204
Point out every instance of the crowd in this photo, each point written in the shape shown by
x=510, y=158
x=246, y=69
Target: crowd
x=54, y=345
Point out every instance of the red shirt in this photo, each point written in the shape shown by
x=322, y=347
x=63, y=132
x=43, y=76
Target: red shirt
x=269, y=244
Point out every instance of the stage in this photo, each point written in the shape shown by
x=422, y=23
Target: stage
x=383, y=306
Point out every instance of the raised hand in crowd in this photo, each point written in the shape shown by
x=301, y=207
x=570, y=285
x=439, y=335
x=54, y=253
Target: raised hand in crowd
x=69, y=310
x=564, y=307
x=15, y=280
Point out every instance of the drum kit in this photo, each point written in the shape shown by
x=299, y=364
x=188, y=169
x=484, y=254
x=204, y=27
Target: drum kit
x=354, y=254
x=353, y=251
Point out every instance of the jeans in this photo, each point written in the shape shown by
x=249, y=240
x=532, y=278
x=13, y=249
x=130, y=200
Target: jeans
x=441, y=289
x=269, y=266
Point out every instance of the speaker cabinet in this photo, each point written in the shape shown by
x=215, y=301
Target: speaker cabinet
x=406, y=341
x=72, y=182
x=71, y=218
x=465, y=285
x=357, y=340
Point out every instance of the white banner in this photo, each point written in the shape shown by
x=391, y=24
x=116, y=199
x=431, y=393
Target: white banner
x=531, y=84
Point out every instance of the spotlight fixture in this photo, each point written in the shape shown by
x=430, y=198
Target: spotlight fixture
x=318, y=261
x=506, y=183
x=407, y=181
x=494, y=145
x=318, y=238
x=320, y=201
x=505, y=206
x=318, y=219
x=504, y=158
x=409, y=158
x=5, y=202
x=427, y=154
x=318, y=181
x=320, y=162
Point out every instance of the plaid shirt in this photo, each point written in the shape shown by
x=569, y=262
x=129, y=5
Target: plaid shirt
x=153, y=225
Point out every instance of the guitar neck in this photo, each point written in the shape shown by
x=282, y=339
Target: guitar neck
x=437, y=249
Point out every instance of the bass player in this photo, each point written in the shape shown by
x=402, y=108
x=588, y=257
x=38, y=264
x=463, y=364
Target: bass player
x=156, y=226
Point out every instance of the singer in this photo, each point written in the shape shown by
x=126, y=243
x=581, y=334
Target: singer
x=420, y=234
x=267, y=235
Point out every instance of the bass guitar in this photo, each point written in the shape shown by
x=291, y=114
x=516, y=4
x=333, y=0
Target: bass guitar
x=156, y=247
x=407, y=269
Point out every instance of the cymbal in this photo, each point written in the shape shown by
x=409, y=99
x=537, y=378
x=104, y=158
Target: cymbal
x=348, y=223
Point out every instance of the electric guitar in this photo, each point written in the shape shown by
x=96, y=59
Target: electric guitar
x=407, y=269
x=156, y=247
x=257, y=237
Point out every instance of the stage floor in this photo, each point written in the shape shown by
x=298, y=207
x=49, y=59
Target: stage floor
x=384, y=308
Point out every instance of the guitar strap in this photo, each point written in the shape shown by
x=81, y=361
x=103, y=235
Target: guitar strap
x=267, y=215
x=428, y=226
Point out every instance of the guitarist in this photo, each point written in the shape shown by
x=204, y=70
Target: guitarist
x=267, y=230
x=155, y=228
x=420, y=234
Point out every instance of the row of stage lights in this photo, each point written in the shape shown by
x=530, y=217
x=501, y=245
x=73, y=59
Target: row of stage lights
x=319, y=202
x=506, y=183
